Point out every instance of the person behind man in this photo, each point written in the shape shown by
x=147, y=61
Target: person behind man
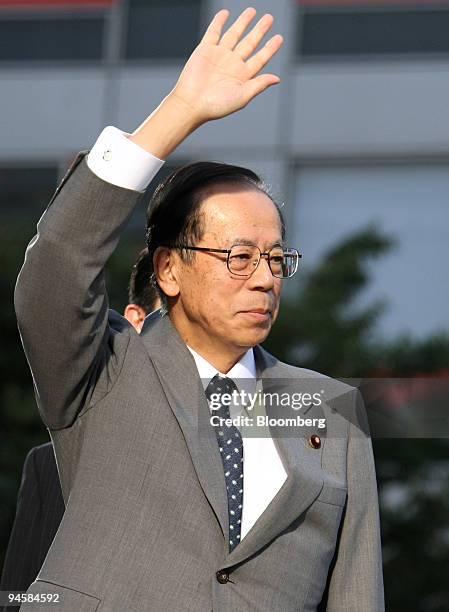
x=143, y=297
x=40, y=505
x=164, y=510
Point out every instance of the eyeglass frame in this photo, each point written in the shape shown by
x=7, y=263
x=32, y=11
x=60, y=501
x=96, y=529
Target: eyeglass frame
x=228, y=251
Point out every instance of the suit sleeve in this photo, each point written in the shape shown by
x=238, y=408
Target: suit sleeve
x=356, y=581
x=60, y=297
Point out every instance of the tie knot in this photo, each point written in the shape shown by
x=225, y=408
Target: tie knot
x=220, y=385
x=219, y=392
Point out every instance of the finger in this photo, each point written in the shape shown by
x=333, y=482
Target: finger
x=262, y=57
x=235, y=32
x=248, y=45
x=257, y=85
x=213, y=32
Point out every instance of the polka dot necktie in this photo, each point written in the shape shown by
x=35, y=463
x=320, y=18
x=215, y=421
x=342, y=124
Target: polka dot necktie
x=230, y=444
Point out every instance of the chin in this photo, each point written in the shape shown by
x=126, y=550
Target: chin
x=250, y=339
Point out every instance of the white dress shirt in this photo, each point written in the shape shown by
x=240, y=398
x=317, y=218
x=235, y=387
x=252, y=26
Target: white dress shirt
x=263, y=472
x=119, y=161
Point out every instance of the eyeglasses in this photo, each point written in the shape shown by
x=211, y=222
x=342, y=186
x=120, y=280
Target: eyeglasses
x=243, y=259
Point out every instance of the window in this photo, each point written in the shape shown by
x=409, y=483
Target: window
x=51, y=36
x=408, y=203
x=150, y=22
x=83, y=31
x=369, y=31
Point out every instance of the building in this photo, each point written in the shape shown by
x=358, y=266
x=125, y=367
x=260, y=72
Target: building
x=358, y=131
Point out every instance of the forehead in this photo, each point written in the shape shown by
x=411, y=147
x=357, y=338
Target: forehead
x=239, y=211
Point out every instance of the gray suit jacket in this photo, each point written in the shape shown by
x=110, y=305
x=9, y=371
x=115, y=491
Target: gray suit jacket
x=146, y=519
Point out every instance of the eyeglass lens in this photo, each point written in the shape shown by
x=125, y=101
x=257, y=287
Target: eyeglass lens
x=243, y=260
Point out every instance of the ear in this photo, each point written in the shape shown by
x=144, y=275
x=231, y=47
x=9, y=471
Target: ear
x=135, y=315
x=165, y=266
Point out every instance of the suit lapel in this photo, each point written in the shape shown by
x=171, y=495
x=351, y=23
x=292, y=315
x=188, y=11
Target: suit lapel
x=182, y=385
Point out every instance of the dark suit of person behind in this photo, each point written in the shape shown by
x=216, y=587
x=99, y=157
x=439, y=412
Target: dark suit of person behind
x=148, y=512
x=40, y=508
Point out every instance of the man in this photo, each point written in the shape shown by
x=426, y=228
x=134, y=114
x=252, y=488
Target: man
x=165, y=511
x=40, y=505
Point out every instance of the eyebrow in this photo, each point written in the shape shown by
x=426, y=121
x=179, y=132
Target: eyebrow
x=247, y=242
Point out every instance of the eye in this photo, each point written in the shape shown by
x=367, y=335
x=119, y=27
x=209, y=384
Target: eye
x=241, y=256
x=241, y=253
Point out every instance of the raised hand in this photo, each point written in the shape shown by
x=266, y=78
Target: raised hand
x=222, y=74
x=220, y=77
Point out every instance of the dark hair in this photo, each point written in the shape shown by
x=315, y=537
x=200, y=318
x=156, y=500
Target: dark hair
x=141, y=290
x=173, y=215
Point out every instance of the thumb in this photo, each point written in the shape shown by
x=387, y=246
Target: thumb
x=257, y=85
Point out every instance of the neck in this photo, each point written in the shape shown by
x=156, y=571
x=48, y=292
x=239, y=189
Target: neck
x=222, y=356
x=222, y=363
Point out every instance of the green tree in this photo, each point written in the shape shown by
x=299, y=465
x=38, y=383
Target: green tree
x=320, y=329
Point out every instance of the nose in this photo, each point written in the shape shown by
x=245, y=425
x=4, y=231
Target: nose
x=262, y=278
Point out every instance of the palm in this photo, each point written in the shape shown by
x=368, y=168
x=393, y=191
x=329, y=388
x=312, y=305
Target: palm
x=221, y=75
x=214, y=77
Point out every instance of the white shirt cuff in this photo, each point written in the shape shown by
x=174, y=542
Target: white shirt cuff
x=117, y=160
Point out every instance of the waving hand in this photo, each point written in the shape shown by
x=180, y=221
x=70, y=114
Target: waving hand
x=222, y=74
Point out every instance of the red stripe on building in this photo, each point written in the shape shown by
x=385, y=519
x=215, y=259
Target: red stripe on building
x=386, y=3
x=54, y=4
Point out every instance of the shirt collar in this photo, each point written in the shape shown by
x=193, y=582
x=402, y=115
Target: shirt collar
x=244, y=368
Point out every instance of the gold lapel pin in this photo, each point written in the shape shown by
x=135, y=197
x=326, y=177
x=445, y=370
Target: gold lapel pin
x=315, y=441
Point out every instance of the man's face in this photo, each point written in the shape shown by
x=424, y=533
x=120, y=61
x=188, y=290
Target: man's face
x=216, y=308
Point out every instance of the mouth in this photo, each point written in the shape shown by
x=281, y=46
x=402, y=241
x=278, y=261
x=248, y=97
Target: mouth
x=258, y=314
